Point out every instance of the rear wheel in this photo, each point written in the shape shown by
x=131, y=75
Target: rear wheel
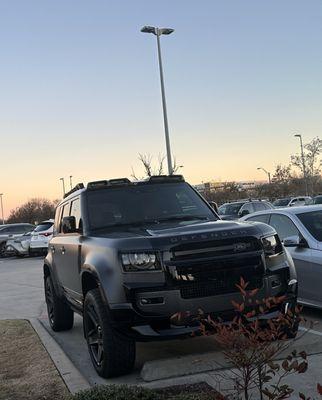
x=60, y=316
x=112, y=353
x=2, y=249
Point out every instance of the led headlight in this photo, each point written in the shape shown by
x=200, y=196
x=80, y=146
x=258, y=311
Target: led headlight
x=140, y=262
x=272, y=245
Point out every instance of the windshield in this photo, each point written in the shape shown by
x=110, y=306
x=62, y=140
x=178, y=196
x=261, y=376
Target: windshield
x=44, y=226
x=230, y=208
x=281, y=202
x=145, y=203
x=313, y=223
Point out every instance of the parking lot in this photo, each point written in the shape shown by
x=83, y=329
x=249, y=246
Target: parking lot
x=21, y=296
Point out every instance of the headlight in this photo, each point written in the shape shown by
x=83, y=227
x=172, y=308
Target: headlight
x=140, y=262
x=272, y=245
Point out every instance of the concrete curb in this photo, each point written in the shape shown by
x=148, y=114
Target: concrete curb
x=73, y=379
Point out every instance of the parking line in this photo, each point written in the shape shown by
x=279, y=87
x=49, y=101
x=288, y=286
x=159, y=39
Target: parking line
x=310, y=331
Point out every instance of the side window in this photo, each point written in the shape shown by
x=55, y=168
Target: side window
x=260, y=218
x=65, y=213
x=75, y=212
x=57, y=220
x=259, y=206
x=248, y=207
x=284, y=226
x=17, y=229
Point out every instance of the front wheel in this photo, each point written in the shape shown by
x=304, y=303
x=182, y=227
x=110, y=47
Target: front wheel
x=60, y=316
x=112, y=353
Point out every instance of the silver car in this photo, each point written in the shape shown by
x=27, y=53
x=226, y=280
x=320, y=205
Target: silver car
x=300, y=229
x=12, y=231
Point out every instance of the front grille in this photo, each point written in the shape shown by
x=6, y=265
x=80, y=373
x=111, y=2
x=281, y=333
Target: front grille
x=215, y=277
x=215, y=248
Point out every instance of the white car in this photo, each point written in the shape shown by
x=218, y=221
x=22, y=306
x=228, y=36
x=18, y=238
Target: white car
x=40, y=237
x=292, y=201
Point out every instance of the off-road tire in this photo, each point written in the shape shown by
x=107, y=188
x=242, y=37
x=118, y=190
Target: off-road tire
x=111, y=352
x=2, y=249
x=60, y=316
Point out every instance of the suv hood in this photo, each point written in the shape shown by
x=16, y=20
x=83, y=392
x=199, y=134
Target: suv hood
x=204, y=229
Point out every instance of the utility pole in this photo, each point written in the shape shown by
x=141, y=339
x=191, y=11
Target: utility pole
x=71, y=182
x=158, y=32
x=303, y=164
x=63, y=182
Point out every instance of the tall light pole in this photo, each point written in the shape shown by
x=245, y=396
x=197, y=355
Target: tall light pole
x=71, y=182
x=63, y=182
x=303, y=163
x=267, y=173
x=158, y=32
x=2, y=214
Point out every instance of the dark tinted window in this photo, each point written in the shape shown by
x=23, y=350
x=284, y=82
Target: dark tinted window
x=17, y=229
x=4, y=231
x=259, y=218
x=317, y=200
x=65, y=213
x=248, y=207
x=281, y=202
x=75, y=211
x=313, y=223
x=152, y=203
x=283, y=225
x=43, y=226
x=230, y=208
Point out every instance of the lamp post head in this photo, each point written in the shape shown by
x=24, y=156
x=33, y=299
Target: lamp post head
x=157, y=31
x=297, y=135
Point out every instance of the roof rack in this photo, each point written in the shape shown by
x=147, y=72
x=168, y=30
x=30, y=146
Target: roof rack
x=106, y=183
x=75, y=188
x=166, y=178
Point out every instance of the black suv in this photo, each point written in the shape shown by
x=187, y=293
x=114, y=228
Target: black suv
x=129, y=255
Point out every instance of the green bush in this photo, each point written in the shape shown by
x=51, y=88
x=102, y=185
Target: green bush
x=116, y=392
x=123, y=392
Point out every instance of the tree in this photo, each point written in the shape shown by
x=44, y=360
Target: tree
x=312, y=162
x=150, y=169
x=35, y=210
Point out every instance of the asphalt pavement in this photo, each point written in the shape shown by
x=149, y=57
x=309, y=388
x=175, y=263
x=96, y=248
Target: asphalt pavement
x=21, y=296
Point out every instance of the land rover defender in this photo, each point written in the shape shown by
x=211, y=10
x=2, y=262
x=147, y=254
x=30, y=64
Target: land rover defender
x=127, y=256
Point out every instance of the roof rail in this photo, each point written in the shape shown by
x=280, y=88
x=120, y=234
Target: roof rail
x=75, y=188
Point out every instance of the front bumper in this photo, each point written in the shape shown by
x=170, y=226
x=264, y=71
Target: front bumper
x=148, y=321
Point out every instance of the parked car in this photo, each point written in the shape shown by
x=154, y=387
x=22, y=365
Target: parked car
x=237, y=209
x=300, y=229
x=18, y=246
x=127, y=256
x=11, y=231
x=40, y=237
x=292, y=201
x=317, y=199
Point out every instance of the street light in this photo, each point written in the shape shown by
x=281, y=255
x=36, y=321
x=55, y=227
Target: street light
x=1, y=201
x=303, y=163
x=63, y=182
x=71, y=182
x=267, y=173
x=158, y=32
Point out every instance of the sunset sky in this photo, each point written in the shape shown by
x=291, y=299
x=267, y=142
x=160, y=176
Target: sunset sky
x=80, y=92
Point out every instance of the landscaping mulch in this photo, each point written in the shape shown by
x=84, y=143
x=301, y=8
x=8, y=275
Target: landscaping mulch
x=26, y=370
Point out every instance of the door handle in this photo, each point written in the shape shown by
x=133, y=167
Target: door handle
x=63, y=250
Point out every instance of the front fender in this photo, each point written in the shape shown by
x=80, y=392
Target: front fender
x=106, y=270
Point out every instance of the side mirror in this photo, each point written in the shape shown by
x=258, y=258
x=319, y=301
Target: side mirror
x=295, y=241
x=243, y=213
x=214, y=206
x=69, y=225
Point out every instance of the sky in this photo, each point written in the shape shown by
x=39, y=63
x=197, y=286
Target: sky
x=80, y=90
